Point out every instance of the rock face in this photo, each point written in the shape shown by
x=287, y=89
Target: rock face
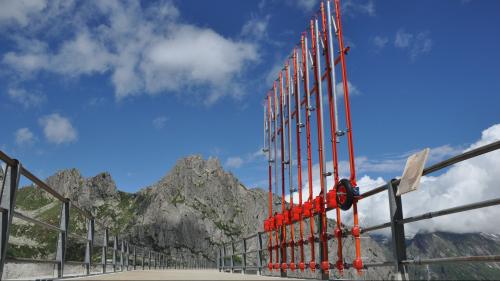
x=442, y=244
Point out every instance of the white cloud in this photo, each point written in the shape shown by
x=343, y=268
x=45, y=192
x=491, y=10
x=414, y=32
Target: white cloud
x=143, y=50
x=18, y=11
x=27, y=100
x=58, y=129
x=234, y=162
x=256, y=28
x=159, y=122
x=353, y=90
x=467, y=182
x=351, y=7
x=380, y=41
x=403, y=39
x=307, y=5
x=416, y=44
x=24, y=137
x=248, y=158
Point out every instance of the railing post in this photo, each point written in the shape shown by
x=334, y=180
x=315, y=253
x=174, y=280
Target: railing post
x=7, y=204
x=259, y=254
x=224, y=258
x=115, y=249
x=243, y=271
x=89, y=246
x=104, y=256
x=149, y=259
x=61, y=242
x=232, y=257
x=135, y=257
x=219, y=263
x=398, y=232
x=127, y=260
x=121, y=255
x=143, y=257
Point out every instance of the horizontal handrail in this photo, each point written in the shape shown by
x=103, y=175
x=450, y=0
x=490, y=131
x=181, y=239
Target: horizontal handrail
x=463, y=208
x=35, y=221
x=489, y=258
x=443, y=164
x=28, y=260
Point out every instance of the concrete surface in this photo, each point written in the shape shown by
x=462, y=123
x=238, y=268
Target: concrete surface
x=178, y=274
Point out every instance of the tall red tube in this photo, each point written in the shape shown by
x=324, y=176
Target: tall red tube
x=312, y=263
x=358, y=264
x=299, y=156
x=317, y=78
x=333, y=132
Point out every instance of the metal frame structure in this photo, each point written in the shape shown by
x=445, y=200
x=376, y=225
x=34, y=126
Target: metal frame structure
x=400, y=261
x=344, y=192
x=121, y=258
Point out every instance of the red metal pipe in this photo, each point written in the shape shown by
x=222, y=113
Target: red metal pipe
x=312, y=264
x=289, y=132
x=277, y=246
x=283, y=207
x=358, y=264
x=333, y=133
x=299, y=156
x=270, y=243
x=319, y=118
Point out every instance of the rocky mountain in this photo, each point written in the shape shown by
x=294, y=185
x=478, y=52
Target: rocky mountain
x=443, y=244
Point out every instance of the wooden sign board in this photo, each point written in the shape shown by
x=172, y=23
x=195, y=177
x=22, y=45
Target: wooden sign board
x=413, y=172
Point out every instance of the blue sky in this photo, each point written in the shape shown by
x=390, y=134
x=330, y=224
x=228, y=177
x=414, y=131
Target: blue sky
x=129, y=88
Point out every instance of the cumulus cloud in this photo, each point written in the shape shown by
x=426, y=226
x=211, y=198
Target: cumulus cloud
x=159, y=122
x=234, y=162
x=58, y=129
x=24, y=137
x=26, y=99
x=467, y=182
x=142, y=49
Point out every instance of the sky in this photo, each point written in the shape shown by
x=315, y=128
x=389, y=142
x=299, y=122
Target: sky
x=130, y=88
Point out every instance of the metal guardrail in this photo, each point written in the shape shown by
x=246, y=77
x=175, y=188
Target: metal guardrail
x=396, y=223
x=124, y=254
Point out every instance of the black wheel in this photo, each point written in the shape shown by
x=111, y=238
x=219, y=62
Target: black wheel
x=345, y=194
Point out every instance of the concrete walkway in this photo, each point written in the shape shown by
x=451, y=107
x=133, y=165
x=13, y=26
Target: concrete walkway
x=178, y=274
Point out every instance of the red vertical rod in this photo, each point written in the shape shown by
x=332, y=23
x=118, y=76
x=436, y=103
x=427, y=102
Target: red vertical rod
x=317, y=77
x=283, y=207
x=333, y=131
x=358, y=264
x=289, y=133
x=268, y=120
x=305, y=67
x=277, y=246
x=299, y=156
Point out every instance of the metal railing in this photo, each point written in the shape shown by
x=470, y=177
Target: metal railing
x=226, y=261
x=125, y=256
